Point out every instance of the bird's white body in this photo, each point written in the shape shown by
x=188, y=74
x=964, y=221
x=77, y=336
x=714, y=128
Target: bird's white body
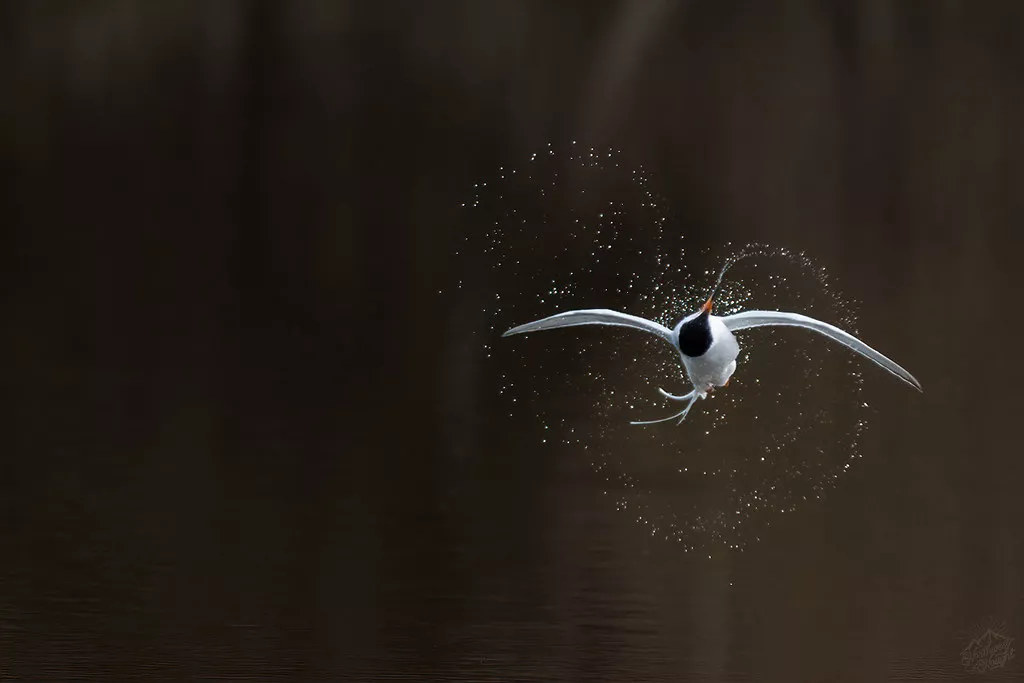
x=716, y=365
x=709, y=349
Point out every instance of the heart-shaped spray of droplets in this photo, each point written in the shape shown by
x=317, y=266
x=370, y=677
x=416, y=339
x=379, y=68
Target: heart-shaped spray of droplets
x=579, y=229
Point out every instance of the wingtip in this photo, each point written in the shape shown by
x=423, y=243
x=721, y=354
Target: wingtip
x=521, y=329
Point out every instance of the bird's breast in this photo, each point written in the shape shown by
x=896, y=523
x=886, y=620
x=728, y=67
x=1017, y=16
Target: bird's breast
x=710, y=367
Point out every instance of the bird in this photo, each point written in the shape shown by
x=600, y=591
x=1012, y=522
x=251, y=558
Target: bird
x=707, y=345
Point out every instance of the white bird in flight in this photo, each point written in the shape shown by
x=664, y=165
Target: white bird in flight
x=707, y=345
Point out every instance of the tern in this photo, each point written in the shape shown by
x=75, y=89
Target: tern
x=707, y=345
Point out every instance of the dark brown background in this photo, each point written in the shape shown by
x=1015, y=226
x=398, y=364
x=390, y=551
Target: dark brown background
x=222, y=220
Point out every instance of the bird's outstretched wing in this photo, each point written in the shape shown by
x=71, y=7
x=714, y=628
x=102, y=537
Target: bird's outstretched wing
x=746, y=319
x=595, y=316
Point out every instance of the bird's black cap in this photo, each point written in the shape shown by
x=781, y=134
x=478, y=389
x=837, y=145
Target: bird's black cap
x=695, y=334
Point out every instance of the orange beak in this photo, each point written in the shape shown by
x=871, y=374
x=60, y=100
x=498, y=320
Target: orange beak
x=707, y=306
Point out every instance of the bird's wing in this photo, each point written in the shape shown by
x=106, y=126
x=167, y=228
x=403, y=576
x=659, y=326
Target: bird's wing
x=594, y=316
x=746, y=319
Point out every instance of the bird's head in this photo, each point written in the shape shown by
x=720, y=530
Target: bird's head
x=694, y=332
